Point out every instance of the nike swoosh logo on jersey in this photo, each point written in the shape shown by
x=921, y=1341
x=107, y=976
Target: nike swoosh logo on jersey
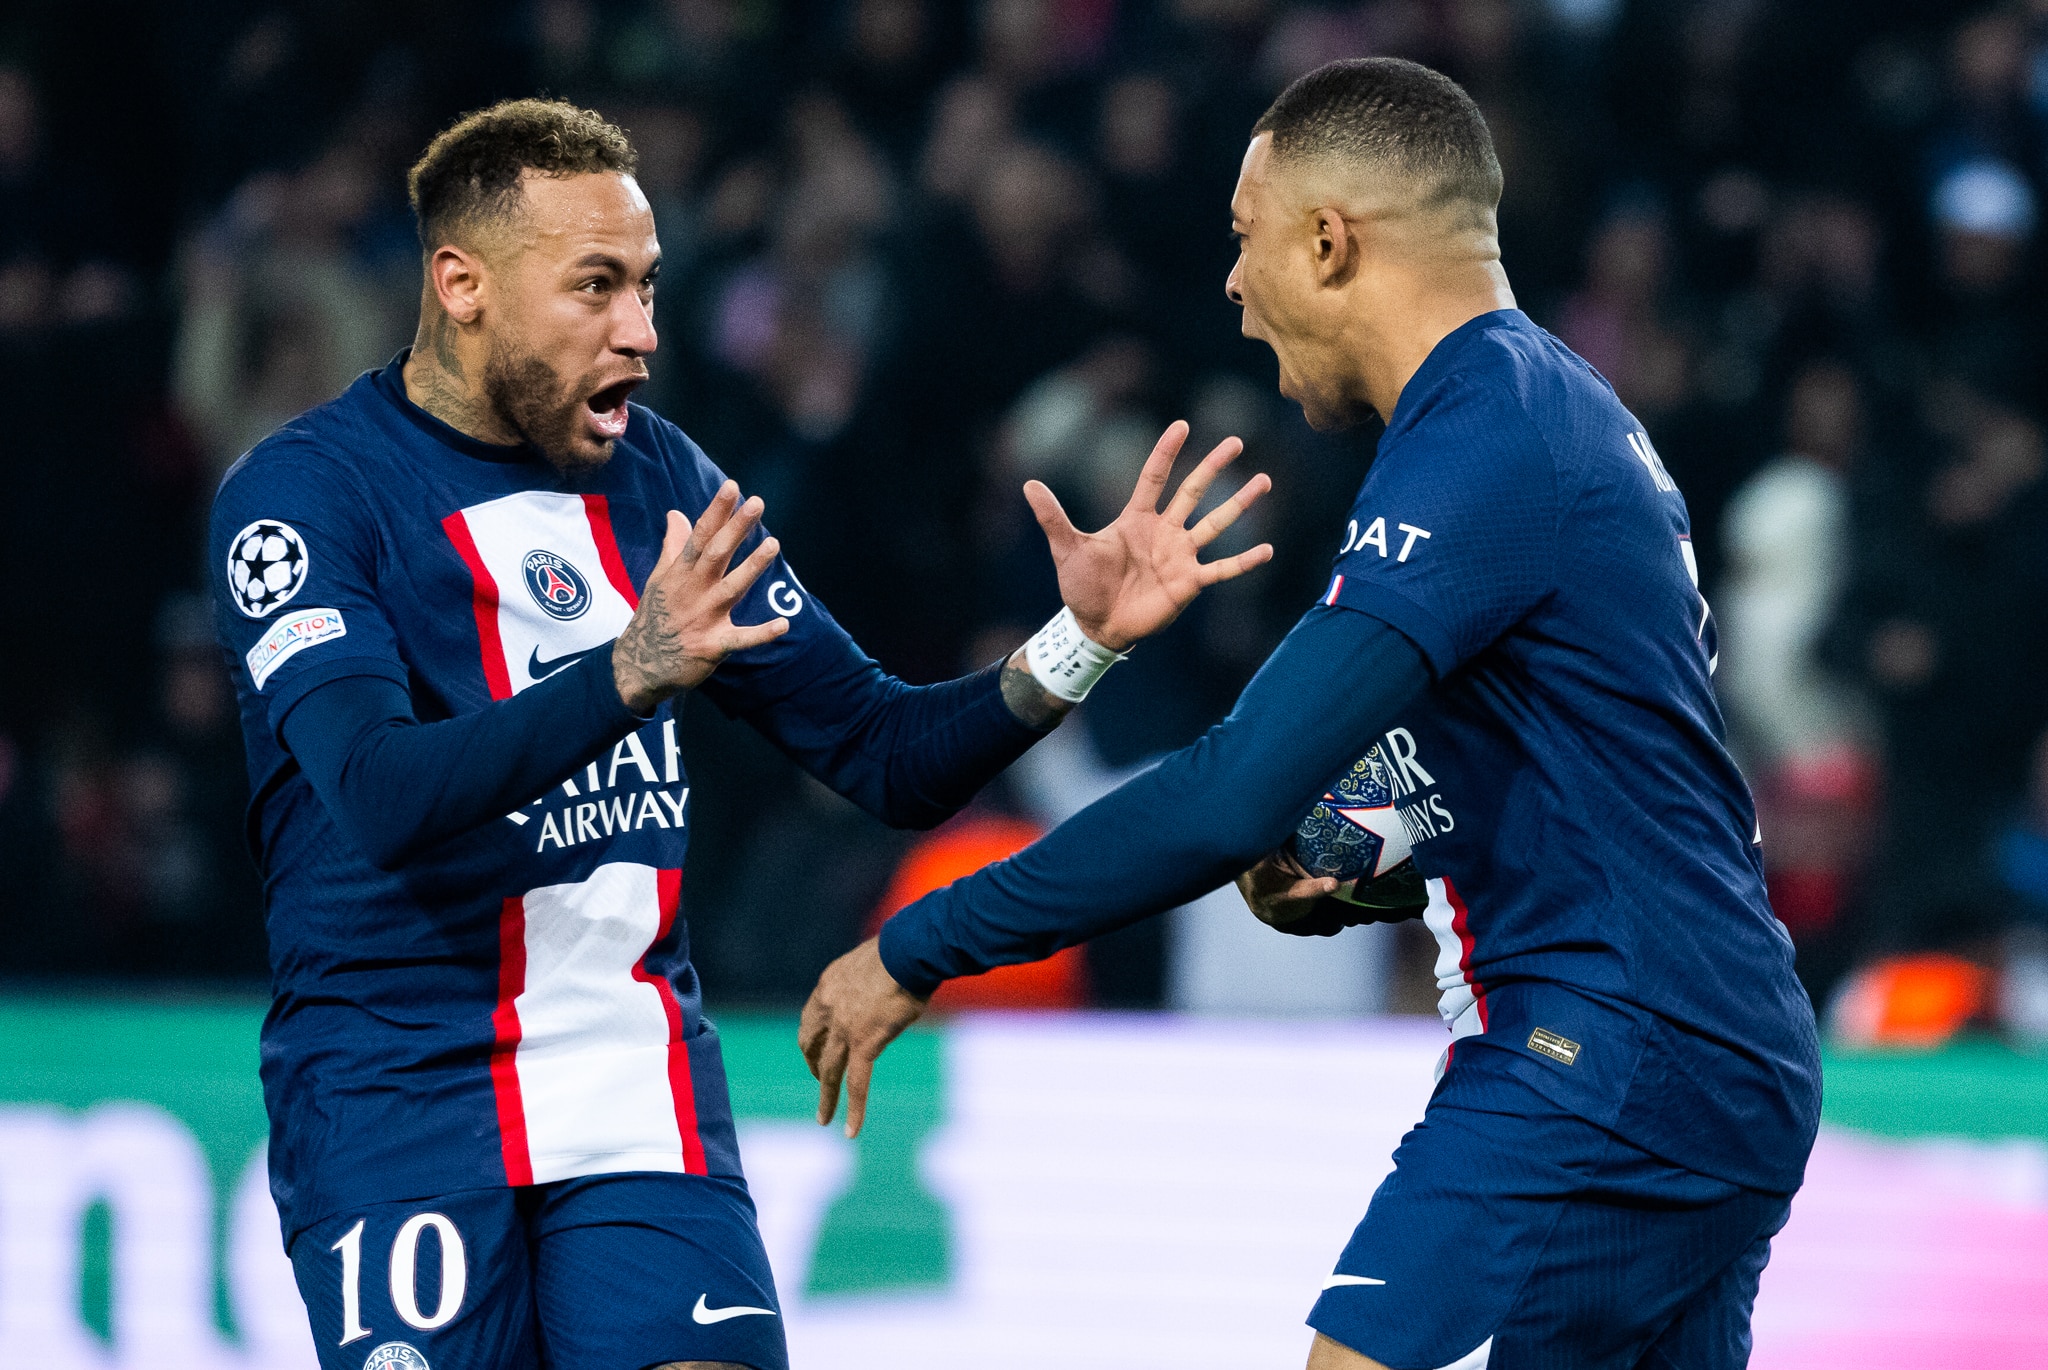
x=708, y=1315
x=536, y=669
x=1336, y=1281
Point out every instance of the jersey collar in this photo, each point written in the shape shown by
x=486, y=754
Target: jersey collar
x=390, y=383
x=1444, y=356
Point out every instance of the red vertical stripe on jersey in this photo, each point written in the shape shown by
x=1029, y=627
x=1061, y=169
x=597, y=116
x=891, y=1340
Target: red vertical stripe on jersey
x=599, y=511
x=505, y=1051
x=485, y=599
x=669, y=887
x=1461, y=923
x=1336, y=587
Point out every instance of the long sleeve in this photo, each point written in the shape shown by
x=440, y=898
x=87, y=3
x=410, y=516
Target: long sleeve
x=911, y=755
x=1187, y=825
x=397, y=786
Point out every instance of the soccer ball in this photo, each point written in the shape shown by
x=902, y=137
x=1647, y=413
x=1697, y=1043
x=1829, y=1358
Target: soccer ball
x=1355, y=834
x=266, y=566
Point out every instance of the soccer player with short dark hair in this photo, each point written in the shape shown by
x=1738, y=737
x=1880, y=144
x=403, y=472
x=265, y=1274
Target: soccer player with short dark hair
x=459, y=602
x=1514, y=620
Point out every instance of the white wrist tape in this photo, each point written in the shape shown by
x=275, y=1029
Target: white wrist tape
x=1065, y=661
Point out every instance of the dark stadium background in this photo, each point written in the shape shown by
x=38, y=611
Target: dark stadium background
x=917, y=251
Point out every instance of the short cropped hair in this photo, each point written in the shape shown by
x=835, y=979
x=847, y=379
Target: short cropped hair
x=1393, y=113
x=469, y=176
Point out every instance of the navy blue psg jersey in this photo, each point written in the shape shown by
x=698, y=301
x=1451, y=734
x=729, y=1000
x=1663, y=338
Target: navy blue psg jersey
x=1595, y=868
x=516, y=1005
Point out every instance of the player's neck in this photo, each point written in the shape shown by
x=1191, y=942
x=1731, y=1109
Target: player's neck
x=440, y=380
x=1410, y=315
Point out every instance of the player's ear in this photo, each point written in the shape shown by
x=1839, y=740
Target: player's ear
x=457, y=280
x=1335, y=246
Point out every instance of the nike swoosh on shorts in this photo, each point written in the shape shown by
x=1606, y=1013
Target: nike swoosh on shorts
x=707, y=1315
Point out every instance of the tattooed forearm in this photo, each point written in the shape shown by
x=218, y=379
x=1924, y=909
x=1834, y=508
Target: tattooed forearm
x=642, y=650
x=649, y=661
x=1033, y=705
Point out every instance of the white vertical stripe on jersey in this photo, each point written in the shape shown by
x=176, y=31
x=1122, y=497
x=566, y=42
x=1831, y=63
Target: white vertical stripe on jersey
x=1456, y=1004
x=594, y=1041
x=505, y=530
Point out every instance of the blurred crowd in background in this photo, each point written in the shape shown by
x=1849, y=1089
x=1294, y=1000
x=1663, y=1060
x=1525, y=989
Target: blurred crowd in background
x=917, y=252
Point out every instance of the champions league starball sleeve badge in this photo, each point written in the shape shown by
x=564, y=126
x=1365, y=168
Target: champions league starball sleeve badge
x=267, y=563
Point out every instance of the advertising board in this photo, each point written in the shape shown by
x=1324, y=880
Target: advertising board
x=1084, y=1190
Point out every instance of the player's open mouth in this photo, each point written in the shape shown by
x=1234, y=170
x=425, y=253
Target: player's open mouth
x=608, y=408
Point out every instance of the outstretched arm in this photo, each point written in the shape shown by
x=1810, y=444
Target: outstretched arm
x=397, y=786
x=1180, y=829
x=1136, y=576
x=914, y=755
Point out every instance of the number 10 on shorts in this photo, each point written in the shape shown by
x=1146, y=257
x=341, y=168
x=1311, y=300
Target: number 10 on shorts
x=403, y=1270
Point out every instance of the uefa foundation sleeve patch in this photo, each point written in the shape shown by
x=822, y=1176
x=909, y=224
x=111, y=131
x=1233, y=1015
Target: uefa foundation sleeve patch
x=290, y=636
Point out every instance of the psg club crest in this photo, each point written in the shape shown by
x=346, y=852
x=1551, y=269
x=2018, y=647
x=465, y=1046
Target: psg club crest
x=396, y=1355
x=556, y=586
x=266, y=566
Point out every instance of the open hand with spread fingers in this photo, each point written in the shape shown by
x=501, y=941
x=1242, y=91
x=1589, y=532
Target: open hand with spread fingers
x=1136, y=576
x=683, y=627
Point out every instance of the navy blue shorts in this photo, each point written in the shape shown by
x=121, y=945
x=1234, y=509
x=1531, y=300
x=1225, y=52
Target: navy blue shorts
x=613, y=1272
x=1534, y=1240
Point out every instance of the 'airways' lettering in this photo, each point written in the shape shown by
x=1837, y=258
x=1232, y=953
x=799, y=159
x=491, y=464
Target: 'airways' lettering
x=1425, y=820
x=574, y=824
x=592, y=815
x=1424, y=817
